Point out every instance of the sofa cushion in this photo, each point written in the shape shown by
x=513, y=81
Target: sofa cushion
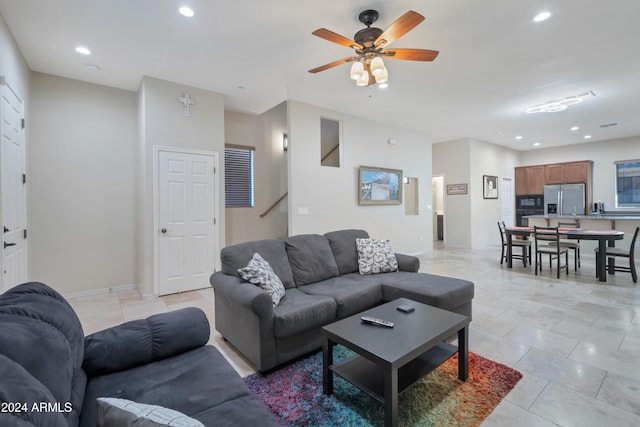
x=19, y=387
x=115, y=412
x=41, y=332
x=193, y=383
x=353, y=293
x=343, y=246
x=273, y=251
x=431, y=289
x=260, y=273
x=375, y=256
x=299, y=312
x=144, y=341
x=311, y=258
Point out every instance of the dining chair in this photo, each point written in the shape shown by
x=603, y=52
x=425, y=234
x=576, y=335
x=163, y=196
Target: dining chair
x=613, y=252
x=570, y=243
x=542, y=237
x=524, y=244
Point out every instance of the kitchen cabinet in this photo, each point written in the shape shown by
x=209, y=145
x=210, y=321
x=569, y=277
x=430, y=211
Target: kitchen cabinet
x=567, y=173
x=529, y=180
x=532, y=179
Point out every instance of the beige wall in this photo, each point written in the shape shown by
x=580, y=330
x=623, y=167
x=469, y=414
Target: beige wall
x=164, y=125
x=81, y=174
x=264, y=132
x=330, y=194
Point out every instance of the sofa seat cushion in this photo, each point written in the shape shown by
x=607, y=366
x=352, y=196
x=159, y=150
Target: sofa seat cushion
x=311, y=258
x=274, y=252
x=431, y=289
x=299, y=312
x=353, y=293
x=194, y=383
x=343, y=245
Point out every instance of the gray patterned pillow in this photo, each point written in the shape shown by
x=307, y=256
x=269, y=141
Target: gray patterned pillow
x=375, y=256
x=260, y=273
x=115, y=412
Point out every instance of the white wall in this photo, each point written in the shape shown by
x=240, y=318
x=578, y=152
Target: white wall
x=451, y=160
x=603, y=154
x=330, y=193
x=12, y=64
x=81, y=202
x=165, y=125
x=264, y=132
x=488, y=159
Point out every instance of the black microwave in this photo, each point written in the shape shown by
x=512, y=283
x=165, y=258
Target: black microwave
x=530, y=202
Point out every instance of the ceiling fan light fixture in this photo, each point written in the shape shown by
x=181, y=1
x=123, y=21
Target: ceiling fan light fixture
x=377, y=66
x=382, y=77
x=364, y=79
x=356, y=70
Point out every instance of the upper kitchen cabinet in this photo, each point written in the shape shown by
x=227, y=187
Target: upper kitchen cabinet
x=532, y=179
x=529, y=180
x=568, y=173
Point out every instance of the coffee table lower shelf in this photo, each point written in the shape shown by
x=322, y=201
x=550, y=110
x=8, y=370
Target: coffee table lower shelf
x=369, y=376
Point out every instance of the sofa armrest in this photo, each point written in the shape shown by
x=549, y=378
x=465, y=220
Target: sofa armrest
x=244, y=317
x=144, y=341
x=408, y=263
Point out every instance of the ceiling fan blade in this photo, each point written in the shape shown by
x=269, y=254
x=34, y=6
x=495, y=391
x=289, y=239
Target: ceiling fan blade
x=329, y=35
x=332, y=64
x=402, y=26
x=411, y=54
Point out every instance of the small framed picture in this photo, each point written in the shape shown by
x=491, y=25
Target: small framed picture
x=490, y=186
x=453, y=189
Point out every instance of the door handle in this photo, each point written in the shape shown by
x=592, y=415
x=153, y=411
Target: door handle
x=6, y=245
x=163, y=231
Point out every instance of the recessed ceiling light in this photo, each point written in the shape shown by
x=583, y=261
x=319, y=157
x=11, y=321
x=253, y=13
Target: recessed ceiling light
x=383, y=85
x=83, y=50
x=542, y=16
x=575, y=128
x=186, y=11
x=536, y=144
x=587, y=137
x=519, y=137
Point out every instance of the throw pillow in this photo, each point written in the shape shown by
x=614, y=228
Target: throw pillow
x=375, y=256
x=115, y=412
x=260, y=273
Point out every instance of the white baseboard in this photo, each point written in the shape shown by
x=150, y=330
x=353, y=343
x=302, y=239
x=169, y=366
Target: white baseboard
x=101, y=291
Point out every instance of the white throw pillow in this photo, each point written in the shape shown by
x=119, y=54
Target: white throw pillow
x=259, y=272
x=375, y=256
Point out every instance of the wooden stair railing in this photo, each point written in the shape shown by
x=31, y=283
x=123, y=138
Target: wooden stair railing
x=262, y=215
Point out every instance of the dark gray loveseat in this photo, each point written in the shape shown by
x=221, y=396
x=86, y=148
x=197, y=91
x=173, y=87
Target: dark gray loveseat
x=46, y=361
x=323, y=284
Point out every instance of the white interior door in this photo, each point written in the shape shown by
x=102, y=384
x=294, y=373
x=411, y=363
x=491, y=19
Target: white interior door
x=507, y=202
x=13, y=190
x=186, y=220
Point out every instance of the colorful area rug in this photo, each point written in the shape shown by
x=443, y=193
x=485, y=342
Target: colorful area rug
x=294, y=395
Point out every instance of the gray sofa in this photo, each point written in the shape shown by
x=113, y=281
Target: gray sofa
x=46, y=361
x=323, y=284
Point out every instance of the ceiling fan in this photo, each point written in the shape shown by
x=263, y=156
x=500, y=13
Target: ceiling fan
x=370, y=47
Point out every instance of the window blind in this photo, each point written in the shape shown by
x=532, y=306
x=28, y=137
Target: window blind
x=238, y=177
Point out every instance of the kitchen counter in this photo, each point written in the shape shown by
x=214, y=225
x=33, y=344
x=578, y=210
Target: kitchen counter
x=607, y=216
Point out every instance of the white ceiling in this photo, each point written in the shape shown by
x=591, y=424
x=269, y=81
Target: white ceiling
x=494, y=61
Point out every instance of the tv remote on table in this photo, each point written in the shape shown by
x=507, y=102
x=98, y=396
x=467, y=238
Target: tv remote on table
x=375, y=321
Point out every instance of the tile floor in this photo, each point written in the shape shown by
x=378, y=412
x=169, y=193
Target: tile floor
x=576, y=340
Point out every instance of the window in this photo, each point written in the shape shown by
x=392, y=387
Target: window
x=238, y=176
x=628, y=184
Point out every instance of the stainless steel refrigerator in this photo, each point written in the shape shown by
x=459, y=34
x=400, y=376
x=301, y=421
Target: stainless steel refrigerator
x=564, y=199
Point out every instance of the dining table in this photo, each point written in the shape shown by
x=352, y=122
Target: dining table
x=604, y=237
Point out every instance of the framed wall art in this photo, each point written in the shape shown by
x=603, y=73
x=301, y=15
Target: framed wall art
x=490, y=186
x=379, y=186
x=453, y=189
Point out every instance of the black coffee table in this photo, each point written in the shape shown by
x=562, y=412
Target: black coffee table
x=388, y=360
